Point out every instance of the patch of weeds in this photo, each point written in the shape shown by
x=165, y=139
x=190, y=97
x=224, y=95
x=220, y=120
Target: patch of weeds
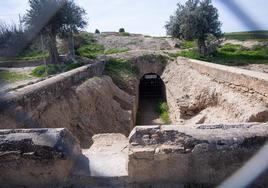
x=251, y=35
x=83, y=39
x=51, y=69
x=93, y=50
x=125, y=34
x=230, y=48
x=233, y=55
x=114, y=51
x=163, y=110
x=187, y=44
x=90, y=51
x=42, y=70
x=12, y=77
x=121, y=71
x=27, y=56
x=72, y=65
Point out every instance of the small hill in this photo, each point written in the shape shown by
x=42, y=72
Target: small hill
x=135, y=42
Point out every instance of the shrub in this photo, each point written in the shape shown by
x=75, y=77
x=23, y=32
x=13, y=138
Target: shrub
x=91, y=51
x=72, y=66
x=42, y=70
x=187, y=44
x=83, y=39
x=97, y=31
x=121, y=30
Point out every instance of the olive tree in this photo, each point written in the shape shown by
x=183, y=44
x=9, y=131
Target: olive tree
x=53, y=18
x=195, y=19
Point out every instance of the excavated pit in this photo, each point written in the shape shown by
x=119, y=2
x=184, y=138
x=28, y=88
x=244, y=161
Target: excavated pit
x=151, y=93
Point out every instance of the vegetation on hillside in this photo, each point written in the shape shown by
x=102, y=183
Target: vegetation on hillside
x=230, y=54
x=86, y=46
x=12, y=77
x=250, y=35
x=51, y=69
x=121, y=71
x=27, y=56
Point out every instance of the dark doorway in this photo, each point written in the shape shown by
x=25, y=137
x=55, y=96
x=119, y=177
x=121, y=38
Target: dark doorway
x=151, y=93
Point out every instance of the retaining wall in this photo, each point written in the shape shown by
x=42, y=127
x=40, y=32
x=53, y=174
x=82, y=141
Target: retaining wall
x=49, y=89
x=245, y=80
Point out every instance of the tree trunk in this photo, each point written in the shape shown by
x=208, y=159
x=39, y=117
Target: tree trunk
x=202, y=48
x=53, y=51
x=71, y=46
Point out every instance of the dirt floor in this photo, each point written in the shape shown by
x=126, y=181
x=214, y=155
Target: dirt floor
x=147, y=114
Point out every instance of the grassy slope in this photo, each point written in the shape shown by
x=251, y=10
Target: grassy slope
x=230, y=54
x=249, y=35
x=121, y=71
x=12, y=77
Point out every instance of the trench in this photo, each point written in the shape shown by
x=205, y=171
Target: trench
x=151, y=93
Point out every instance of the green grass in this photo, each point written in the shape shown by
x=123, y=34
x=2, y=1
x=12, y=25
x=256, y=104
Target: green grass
x=250, y=35
x=115, y=51
x=233, y=55
x=12, y=77
x=84, y=38
x=187, y=44
x=42, y=70
x=27, y=56
x=163, y=110
x=93, y=50
x=125, y=34
x=121, y=71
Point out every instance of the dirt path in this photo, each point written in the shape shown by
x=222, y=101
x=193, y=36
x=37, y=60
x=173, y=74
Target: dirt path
x=147, y=114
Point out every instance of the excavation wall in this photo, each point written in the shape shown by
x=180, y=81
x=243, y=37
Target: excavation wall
x=200, y=92
x=73, y=100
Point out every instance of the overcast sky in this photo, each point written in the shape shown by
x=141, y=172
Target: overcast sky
x=149, y=16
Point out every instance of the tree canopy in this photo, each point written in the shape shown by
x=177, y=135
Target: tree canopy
x=195, y=20
x=54, y=18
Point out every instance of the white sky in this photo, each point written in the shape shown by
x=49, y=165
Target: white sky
x=149, y=16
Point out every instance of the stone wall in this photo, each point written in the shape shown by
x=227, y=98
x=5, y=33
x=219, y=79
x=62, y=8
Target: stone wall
x=255, y=83
x=33, y=95
x=199, y=155
x=37, y=157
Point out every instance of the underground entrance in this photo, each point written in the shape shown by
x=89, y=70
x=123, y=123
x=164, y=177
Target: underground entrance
x=152, y=94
